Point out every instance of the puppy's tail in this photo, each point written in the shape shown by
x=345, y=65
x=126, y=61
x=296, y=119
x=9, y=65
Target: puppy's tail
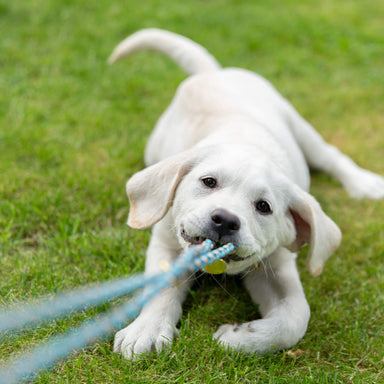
x=192, y=57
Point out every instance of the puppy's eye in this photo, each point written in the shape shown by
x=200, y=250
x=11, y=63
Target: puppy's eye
x=209, y=181
x=264, y=207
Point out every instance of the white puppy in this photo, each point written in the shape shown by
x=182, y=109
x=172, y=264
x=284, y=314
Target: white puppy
x=228, y=161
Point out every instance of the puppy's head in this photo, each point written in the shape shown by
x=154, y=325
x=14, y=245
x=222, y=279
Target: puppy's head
x=227, y=194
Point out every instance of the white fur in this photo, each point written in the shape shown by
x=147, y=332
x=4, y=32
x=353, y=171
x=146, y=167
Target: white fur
x=232, y=125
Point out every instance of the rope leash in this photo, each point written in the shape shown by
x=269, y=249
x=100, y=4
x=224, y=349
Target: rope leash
x=46, y=355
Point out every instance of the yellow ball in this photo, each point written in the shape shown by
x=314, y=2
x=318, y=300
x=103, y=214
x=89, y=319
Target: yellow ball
x=216, y=268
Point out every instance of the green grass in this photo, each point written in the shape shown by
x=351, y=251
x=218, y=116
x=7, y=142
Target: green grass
x=72, y=130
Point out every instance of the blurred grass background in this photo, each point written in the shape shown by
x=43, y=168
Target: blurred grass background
x=73, y=129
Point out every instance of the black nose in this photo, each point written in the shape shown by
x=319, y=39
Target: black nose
x=224, y=223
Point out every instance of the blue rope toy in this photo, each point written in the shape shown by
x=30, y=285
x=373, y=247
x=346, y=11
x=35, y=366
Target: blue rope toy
x=44, y=356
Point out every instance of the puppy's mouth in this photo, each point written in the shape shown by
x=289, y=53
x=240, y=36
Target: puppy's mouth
x=195, y=240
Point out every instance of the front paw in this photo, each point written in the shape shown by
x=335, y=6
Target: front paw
x=260, y=336
x=143, y=337
x=234, y=336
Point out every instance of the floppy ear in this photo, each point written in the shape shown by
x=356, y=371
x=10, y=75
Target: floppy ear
x=313, y=227
x=151, y=190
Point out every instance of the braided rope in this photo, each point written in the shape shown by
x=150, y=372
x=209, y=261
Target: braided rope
x=46, y=355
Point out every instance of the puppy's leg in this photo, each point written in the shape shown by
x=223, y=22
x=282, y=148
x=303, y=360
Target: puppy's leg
x=322, y=156
x=155, y=327
x=277, y=289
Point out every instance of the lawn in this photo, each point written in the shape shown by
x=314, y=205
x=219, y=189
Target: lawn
x=73, y=129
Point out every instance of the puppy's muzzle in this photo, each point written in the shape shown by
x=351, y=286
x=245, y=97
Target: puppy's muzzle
x=223, y=225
